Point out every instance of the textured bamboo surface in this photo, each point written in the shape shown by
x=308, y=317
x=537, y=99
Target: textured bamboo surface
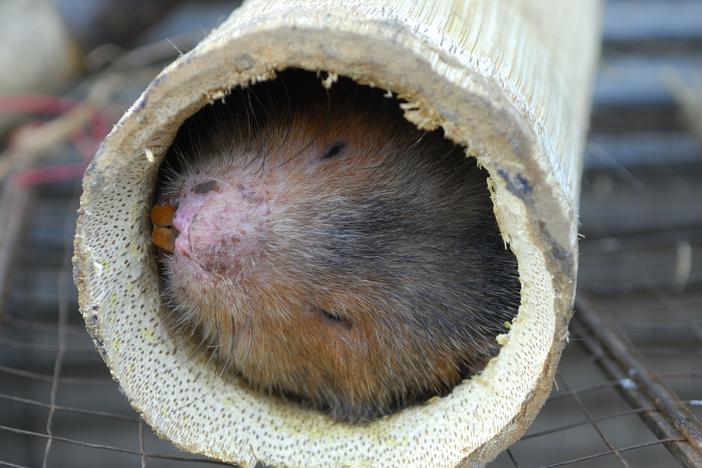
x=509, y=80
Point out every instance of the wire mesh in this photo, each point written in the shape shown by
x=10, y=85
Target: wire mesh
x=629, y=387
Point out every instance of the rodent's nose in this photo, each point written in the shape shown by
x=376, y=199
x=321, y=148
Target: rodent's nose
x=220, y=230
x=184, y=216
x=181, y=245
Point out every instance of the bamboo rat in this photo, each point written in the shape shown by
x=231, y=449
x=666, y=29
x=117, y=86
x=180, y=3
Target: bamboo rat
x=327, y=251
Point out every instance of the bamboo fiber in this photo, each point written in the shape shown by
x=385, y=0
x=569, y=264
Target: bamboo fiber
x=509, y=80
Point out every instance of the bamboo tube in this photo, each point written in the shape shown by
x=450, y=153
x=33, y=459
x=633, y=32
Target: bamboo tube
x=508, y=80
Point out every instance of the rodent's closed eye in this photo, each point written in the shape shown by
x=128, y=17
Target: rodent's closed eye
x=334, y=318
x=335, y=149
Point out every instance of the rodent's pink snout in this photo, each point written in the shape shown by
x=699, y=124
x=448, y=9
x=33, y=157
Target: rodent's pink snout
x=186, y=211
x=219, y=228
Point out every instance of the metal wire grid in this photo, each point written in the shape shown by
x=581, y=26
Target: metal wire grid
x=625, y=416
x=629, y=386
x=61, y=408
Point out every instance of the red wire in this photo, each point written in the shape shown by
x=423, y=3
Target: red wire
x=86, y=142
x=44, y=175
x=36, y=104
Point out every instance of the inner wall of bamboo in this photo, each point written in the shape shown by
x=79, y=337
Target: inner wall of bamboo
x=525, y=346
x=177, y=393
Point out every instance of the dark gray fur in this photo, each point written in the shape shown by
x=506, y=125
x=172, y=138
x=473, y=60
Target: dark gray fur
x=419, y=236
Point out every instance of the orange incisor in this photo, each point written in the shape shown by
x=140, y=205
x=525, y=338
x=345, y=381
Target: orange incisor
x=162, y=234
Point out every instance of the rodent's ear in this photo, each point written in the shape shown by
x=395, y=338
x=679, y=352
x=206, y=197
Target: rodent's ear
x=333, y=150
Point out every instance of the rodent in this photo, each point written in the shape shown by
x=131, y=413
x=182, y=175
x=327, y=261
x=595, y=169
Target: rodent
x=329, y=252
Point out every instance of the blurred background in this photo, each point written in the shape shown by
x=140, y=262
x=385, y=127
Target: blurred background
x=629, y=387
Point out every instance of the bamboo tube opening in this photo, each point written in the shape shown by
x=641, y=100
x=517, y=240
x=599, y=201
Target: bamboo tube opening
x=234, y=398
x=193, y=133
x=199, y=410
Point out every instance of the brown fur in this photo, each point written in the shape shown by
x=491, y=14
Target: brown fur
x=370, y=274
